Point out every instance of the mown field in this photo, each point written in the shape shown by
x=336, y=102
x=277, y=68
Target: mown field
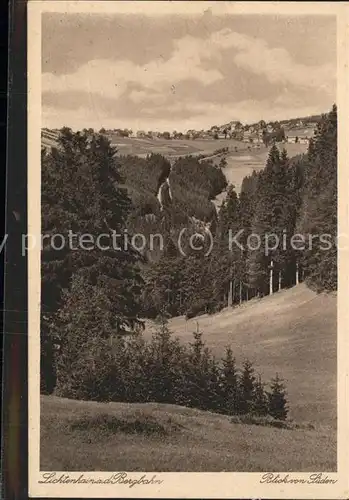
x=88, y=436
x=293, y=333
x=171, y=147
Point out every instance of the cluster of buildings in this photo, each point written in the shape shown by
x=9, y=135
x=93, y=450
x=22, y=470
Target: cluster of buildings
x=293, y=131
x=189, y=134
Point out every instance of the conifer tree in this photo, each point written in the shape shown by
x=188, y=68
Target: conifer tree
x=293, y=254
x=164, y=355
x=260, y=405
x=256, y=261
x=247, y=200
x=83, y=327
x=227, y=257
x=196, y=372
x=277, y=399
x=230, y=383
x=247, y=387
x=196, y=347
x=272, y=214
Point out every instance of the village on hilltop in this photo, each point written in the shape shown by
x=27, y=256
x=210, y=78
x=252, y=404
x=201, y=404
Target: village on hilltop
x=299, y=130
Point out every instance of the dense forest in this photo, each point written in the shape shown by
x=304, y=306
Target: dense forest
x=293, y=201
x=90, y=298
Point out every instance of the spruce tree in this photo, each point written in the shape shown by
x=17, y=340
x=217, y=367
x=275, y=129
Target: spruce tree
x=196, y=372
x=294, y=254
x=229, y=382
x=260, y=405
x=216, y=402
x=271, y=218
x=227, y=258
x=247, y=200
x=277, y=402
x=247, y=387
x=256, y=261
x=164, y=354
x=83, y=327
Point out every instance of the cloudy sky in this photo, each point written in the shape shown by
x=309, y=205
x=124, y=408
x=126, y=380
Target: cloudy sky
x=179, y=72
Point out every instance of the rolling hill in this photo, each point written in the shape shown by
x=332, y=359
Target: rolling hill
x=292, y=333
x=170, y=147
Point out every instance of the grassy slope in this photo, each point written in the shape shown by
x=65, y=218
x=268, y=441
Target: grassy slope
x=154, y=437
x=293, y=333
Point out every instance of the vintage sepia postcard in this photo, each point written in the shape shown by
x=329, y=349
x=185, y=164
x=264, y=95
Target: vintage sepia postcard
x=188, y=249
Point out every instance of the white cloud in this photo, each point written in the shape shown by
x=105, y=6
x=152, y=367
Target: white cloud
x=111, y=78
x=198, y=60
x=276, y=64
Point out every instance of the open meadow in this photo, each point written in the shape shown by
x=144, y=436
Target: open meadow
x=171, y=147
x=88, y=436
x=292, y=333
